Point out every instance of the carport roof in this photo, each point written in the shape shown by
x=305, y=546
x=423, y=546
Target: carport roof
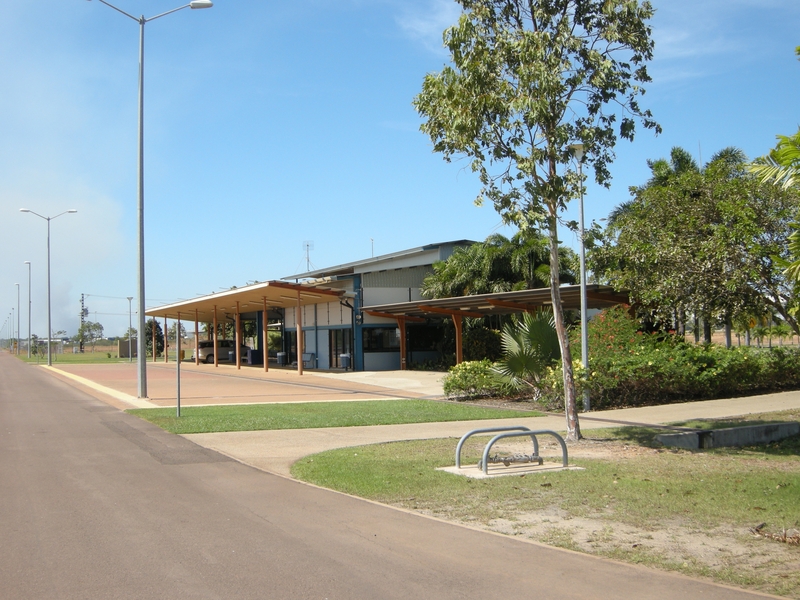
x=598, y=296
x=251, y=298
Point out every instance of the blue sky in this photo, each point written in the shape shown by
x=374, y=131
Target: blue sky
x=270, y=124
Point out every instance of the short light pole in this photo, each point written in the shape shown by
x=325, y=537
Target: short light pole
x=16, y=284
x=140, y=341
x=49, y=328
x=130, y=327
x=27, y=262
x=577, y=152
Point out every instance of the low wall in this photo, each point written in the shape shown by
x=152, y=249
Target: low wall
x=749, y=435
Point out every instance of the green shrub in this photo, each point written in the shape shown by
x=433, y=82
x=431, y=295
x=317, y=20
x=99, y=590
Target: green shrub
x=631, y=368
x=471, y=379
x=480, y=343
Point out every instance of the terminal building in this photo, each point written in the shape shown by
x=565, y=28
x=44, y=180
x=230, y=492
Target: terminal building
x=366, y=315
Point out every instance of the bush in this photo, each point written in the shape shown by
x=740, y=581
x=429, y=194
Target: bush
x=630, y=368
x=471, y=379
x=480, y=343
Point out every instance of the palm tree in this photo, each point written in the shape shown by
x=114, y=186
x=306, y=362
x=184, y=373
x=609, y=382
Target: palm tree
x=530, y=345
x=782, y=165
x=498, y=265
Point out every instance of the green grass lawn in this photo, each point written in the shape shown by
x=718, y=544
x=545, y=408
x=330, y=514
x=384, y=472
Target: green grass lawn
x=100, y=355
x=256, y=417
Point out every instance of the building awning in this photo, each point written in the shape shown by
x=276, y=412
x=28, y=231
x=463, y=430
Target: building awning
x=597, y=296
x=251, y=298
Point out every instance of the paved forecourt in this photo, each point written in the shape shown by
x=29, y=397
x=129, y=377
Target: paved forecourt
x=203, y=385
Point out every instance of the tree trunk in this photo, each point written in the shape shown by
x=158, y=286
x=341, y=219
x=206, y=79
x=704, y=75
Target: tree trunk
x=570, y=406
x=706, y=330
x=728, y=333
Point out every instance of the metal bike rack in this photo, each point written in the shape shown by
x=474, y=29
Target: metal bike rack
x=492, y=430
x=485, y=460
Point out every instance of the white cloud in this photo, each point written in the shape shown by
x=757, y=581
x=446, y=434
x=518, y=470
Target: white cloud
x=425, y=23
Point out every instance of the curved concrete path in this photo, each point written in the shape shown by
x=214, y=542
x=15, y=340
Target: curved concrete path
x=276, y=451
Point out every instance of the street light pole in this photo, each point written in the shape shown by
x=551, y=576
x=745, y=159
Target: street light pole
x=16, y=284
x=130, y=354
x=577, y=151
x=49, y=328
x=27, y=262
x=141, y=347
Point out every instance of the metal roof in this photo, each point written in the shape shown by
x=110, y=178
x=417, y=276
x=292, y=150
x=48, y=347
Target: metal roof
x=350, y=268
x=598, y=296
x=251, y=298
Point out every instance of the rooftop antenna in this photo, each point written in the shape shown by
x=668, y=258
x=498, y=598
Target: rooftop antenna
x=372, y=241
x=308, y=246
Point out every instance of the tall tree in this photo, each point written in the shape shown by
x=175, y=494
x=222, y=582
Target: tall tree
x=89, y=332
x=498, y=264
x=529, y=78
x=148, y=332
x=709, y=242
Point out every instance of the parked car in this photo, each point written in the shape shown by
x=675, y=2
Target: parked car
x=206, y=350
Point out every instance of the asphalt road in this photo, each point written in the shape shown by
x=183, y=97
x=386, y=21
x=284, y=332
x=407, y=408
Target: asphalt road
x=95, y=503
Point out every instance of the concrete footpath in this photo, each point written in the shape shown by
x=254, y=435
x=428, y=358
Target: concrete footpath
x=276, y=451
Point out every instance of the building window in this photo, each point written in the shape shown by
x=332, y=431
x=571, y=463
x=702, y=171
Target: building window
x=381, y=339
x=340, y=343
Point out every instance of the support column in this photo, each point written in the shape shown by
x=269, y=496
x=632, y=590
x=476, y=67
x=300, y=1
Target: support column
x=238, y=338
x=265, y=333
x=155, y=338
x=457, y=321
x=216, y=338
x=401, y=323
x=166, y=341
x=299, y=323
x=196, y=339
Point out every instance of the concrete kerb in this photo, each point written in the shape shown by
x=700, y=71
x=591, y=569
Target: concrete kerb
x=127, y=398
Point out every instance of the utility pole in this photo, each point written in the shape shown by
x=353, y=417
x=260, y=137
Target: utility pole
x=84, y=312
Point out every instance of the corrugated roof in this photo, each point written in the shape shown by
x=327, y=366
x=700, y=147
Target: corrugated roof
x=350, y=268
x=598, y=296
x=278, y=294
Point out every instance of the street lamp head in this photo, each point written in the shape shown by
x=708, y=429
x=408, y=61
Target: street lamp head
x=200, y=4
x=72, y=210
x=27, y=262
x=577, y=151
x=24, y=210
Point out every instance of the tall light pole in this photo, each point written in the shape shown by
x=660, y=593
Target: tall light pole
x=16, y=284
x=141, y=347
x=49, y=328
x=27, y=262
x=577, y=152
x=130, y=354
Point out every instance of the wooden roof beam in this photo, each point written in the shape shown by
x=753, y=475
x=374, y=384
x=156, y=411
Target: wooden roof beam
x=384, y=315
x=452, y=312
x=521, y=306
